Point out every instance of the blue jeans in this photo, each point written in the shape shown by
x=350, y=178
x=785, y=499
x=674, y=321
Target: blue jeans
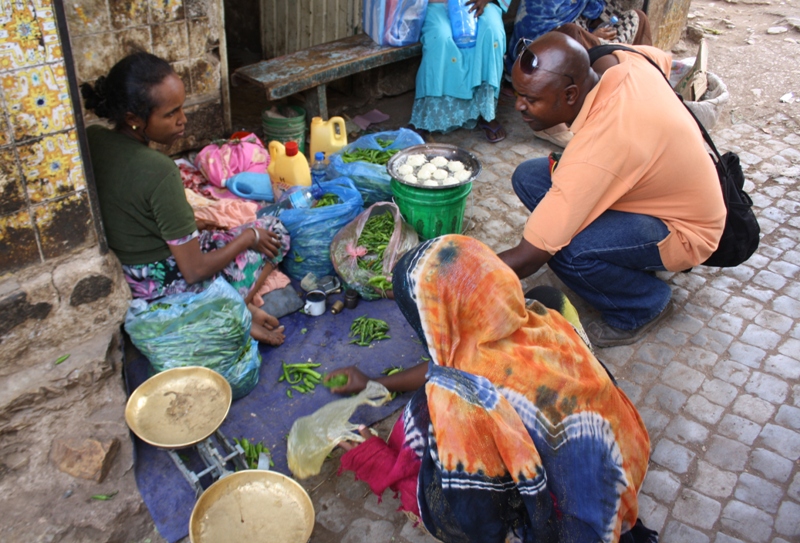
x=607, y=263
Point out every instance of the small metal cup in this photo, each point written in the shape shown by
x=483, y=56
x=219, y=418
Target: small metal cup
x=350, y=298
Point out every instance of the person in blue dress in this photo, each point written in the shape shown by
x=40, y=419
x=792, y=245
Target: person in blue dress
x=459, y=88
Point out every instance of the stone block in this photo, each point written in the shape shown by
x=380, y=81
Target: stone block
x=753, y=408
x=767, y=387
x=747, y=309
x=787, y=306
x=774, y=321
x=725, y=538
x=725, y=322
x=771, y=465
x=331, y=513
x=653, y=353
x=661, y=485
x=719, y=391
x=699, y=358
x=732, y=372
x=652, y=513
x=703, y=410
x=696, y=509
x=362, y=530
x=653, y=420
x=746, y=354
x=686, y=431
x=677, y=532
x=416, y=534
x=788, y=521
x=758, y=492
x=672, y=456
x=726, y=453
x=739, y=428
x=681, y=377
x=782, y=440
x=666, y=398
x=127, y=13
x=86, y=17
x=794, y=488
x=760, y=337
x=85, y=458
x=745, y=520
x=166, y=10
x=788, y=416
x=712, y=340
x=712, y=481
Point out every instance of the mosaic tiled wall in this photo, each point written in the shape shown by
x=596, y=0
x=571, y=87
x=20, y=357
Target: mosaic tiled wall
x=44, y=205
x=187, y=33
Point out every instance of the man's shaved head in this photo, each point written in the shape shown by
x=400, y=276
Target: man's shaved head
x=554, y=91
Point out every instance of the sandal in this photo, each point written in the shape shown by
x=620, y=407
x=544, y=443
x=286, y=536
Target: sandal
x=493, y=133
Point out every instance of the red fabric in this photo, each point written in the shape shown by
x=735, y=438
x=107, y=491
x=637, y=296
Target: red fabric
x=386, y=465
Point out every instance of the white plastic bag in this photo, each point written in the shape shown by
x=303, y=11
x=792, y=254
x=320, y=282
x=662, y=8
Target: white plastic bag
x=313, y=437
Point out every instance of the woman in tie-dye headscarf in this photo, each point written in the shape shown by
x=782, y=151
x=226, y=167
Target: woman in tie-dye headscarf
x=519, y=433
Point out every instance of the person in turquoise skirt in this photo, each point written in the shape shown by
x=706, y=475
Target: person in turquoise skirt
x=459, y=88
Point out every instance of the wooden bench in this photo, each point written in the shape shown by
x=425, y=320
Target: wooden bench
x=311, y=69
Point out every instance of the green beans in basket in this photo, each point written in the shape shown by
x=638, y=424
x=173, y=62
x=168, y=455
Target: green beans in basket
x=365, y=330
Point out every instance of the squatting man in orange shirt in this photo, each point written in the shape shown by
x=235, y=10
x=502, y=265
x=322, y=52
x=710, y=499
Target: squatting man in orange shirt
x=634, y=192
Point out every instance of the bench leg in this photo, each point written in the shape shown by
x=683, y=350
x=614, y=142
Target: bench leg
x=317, y=102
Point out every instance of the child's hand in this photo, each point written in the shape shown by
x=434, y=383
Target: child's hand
x=477, y=6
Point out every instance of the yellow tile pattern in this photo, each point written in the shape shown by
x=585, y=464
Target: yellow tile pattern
x=52, y=166
x=38, y=100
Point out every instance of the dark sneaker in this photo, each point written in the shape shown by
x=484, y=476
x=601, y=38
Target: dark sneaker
x=602, y=334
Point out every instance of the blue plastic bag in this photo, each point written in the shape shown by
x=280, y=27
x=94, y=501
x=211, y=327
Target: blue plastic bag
x=371, y=180
x=394, y=22
x=209, y=329
x=312, y=230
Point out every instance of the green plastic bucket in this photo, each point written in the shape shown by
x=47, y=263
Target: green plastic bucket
x=285, y=130
x=432, y=212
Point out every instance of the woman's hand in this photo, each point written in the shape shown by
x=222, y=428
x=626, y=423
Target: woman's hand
x=356, y=380
x=477, y=6
x=203, y=224
x=605, y=33
x=268, y=243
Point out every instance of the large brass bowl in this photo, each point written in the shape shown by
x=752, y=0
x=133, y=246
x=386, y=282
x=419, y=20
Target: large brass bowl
x=253, y=506
x=179, y=407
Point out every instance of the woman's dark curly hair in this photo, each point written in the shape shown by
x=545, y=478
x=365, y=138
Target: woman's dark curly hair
x=126, y=88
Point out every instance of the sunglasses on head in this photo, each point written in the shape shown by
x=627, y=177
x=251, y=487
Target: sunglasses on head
x=528, y=61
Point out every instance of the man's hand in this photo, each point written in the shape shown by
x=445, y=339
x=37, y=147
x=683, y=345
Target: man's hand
x=477, y=6
x=605, y=33
x=525, y=259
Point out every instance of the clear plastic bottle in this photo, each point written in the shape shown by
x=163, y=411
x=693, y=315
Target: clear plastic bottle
x=463, y=23
x=318, y=170
x=612, y=22
x=295, y=198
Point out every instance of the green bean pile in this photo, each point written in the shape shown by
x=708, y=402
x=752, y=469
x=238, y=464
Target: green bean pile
x=366, y=330
x=373, y=156
x=252, y=452
x=300, y=377
x=375, y=238
x=328, y=199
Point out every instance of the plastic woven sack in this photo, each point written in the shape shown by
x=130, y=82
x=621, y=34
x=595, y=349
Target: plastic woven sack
x=345, y=250
x=371, y=180
x=312, y=230
x=209, y=329
x=394, y=22
x=313, y=437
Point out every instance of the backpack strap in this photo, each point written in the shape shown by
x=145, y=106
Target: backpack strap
x=603, y=50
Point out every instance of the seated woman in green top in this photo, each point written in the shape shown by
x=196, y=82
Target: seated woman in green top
x=148, y=221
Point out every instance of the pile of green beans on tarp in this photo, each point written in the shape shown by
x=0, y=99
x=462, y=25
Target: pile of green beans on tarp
x=366, y=330
x=300, y=377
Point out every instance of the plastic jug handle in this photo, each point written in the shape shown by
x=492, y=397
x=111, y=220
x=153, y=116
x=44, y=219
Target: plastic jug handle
x=275, y=148
x=341, y=134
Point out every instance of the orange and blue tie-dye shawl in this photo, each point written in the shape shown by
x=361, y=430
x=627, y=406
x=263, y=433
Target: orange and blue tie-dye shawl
x=527, y=434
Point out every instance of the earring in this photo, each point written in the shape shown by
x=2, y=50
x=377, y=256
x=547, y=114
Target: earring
x=134, y=127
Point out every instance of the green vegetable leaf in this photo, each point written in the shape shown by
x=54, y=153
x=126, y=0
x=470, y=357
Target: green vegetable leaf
x=304, y=331
x=105, y=497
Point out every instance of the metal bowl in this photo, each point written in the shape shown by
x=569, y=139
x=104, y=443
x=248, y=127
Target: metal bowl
x=430, y=150
x=253, y=506
x=179, y=407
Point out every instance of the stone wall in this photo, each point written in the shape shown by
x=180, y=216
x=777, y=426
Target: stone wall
x=189, y=34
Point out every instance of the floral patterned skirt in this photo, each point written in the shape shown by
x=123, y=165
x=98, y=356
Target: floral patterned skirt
x=162, y=278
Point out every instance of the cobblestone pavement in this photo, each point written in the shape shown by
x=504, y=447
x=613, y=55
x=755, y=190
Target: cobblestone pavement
x=717, y=384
